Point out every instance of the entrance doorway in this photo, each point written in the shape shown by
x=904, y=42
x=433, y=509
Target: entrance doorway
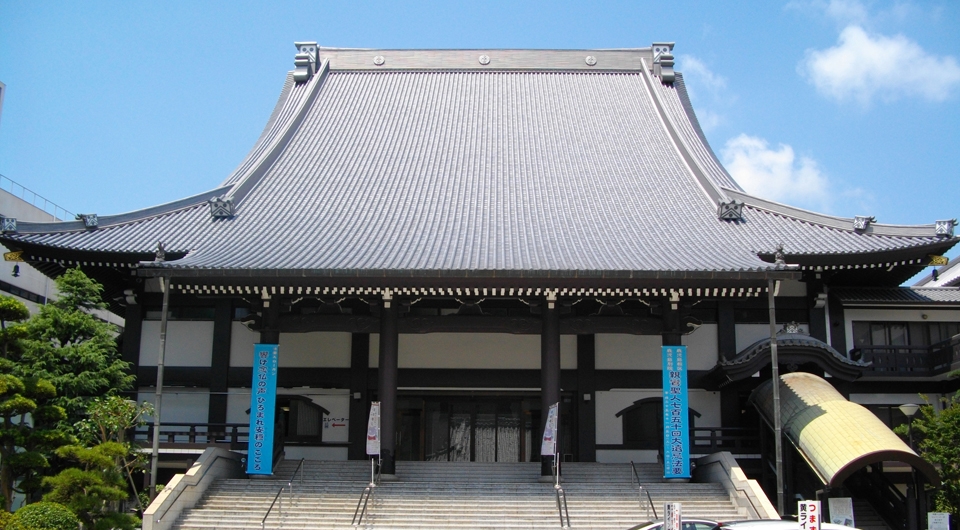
x=474, y=428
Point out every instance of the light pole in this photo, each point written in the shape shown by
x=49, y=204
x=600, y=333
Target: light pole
x=909, y=410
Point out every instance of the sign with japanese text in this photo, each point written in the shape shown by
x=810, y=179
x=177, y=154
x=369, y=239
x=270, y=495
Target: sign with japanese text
x=373, y=430
x=676, y=431
x=938, y=521
x=808, y=515
x=671, y=516
x=548, y=447
x=263, y=405
x=841, y=511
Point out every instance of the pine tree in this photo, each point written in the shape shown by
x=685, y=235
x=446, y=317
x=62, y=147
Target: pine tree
x=68, y=346
x=27, y=430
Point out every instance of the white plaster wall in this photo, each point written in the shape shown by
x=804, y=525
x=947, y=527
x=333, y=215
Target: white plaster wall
x=297, y=350
x=241, y=345
x=609, y=403
x=792, y=288
x=895, y=315
x=643, y=352
x=336, y=426
x=317, y=350
x=189, y=343
x=748, y=334
x=474, y=351
x=180, y=405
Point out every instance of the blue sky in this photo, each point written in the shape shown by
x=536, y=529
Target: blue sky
x=847, y=107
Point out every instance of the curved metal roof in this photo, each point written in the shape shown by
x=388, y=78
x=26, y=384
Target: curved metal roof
x=433, y=162
x=836, y=437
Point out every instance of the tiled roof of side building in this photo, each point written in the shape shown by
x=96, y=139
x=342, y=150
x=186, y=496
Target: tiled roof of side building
x=898, y=295
x=435, y=163
x=946, y=276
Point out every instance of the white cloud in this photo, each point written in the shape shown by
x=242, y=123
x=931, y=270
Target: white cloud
x=706, y=89
x=776, y=174
x=847, y=11
x=865, y=66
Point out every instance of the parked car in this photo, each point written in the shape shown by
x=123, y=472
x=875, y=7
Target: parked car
x=773, y=524
x=685, y=524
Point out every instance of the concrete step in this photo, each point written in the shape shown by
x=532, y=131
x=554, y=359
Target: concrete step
x=434, y=495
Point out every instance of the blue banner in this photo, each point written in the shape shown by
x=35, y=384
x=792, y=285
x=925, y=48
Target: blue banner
x=263, y=404
x=676, y=432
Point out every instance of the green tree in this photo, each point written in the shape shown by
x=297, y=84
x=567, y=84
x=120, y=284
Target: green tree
x=27, y=430
x=68, y=346
x=94, y=490
x=937, y=435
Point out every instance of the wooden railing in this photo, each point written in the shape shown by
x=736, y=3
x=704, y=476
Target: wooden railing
x=736, y=440
x=915, y=361
x=234, y=435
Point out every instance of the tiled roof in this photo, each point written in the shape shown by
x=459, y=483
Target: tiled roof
x=434, y=165
x=898, y=295
x=947, y=276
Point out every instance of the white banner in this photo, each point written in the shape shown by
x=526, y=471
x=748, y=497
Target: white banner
x=373, y=429
x=808, y=515
x=549, y=445
x=841, y=511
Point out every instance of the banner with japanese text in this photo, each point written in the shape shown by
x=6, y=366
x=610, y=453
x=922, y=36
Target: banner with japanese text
x=263, y=404
x=676, y=431
x=548, y=446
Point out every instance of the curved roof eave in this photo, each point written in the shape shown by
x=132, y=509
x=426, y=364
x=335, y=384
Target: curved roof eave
x=831, y=221
x=792, y=348
x=25, y=227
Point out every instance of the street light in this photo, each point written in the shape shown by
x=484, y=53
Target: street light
x=909, y=410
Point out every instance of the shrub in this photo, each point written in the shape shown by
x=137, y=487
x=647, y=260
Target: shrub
x=5, y=519
x=44, y=516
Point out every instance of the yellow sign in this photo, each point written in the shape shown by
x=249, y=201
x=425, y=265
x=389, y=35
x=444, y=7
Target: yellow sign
x=936, y=261
x=13, y=256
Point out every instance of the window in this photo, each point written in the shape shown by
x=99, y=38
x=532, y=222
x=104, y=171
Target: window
x=902, y=333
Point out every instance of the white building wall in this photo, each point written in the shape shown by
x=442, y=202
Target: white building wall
x=319, y=349
x=610, y=426
x=189, y=343
x=616, y=351
x=474, y=351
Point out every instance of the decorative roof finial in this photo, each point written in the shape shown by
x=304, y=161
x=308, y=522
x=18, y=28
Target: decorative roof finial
x=778, y=258
x=663, y=61
x=305, y=61
x=161, y=254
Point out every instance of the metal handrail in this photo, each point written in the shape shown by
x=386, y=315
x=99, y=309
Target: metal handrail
x=295, y=471
x=277, y=498
x=641, y=490
x=560, y=494
x=368, y=492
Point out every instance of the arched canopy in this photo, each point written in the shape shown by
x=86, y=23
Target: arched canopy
x=836, y=437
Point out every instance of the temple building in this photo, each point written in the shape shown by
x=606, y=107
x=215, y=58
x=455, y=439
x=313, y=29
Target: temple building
x=469, y=236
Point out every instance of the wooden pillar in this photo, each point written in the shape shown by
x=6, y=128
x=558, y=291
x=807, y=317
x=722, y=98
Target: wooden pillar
x=549, y=369
x=359, y=407
x=726, y=330
x=387, y=384
x=671, y=335
x=586, y=397
x=220, y=361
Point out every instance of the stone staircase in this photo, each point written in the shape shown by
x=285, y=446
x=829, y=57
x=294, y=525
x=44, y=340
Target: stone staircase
x=439, y=495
